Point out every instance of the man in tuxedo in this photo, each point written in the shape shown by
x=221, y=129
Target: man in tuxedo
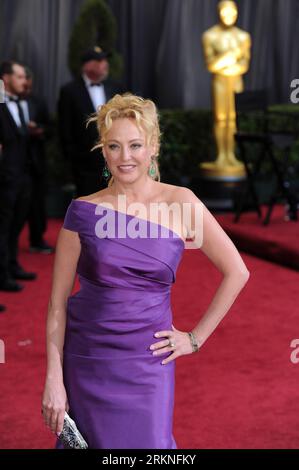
x=38, y=122
x=15, y=176
x=77, y=101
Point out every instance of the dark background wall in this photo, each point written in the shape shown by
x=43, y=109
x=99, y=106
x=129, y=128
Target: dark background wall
x=160, y=41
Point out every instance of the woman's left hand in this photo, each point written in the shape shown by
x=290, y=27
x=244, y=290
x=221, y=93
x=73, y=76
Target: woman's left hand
x=171, y=340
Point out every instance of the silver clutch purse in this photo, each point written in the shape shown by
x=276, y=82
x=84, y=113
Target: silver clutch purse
x=70, y=436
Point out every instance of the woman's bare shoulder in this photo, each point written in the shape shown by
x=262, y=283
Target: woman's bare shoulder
x=181, y=194
x=94, y=197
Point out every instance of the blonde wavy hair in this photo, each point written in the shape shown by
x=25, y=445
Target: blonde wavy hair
x=127, y=105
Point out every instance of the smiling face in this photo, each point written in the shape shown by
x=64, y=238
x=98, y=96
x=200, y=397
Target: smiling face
x=126, y=151
x=228, y=12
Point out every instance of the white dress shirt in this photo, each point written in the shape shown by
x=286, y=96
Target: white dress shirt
x=96, y=93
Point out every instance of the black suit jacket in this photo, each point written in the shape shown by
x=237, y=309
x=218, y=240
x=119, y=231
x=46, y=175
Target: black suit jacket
x=38, y=112
x=14, y=158
x=74, y=108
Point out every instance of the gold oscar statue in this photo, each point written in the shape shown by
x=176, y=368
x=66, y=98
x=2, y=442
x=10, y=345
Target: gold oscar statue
x=227, y=55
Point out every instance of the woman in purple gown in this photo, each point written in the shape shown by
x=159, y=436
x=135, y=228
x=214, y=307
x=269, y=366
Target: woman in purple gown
x=112, y=346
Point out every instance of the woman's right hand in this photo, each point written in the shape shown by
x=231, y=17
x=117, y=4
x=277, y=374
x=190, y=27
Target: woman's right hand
x=54, y=405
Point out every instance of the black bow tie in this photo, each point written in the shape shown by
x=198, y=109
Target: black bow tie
x=96, y=84
x=15, y=100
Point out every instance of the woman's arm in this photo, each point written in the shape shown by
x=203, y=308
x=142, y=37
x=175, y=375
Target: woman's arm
x=219, y=248
x=54, y=398
x=208, y=235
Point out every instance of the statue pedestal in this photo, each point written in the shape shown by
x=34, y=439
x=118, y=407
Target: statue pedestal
x=214, y=170
x=218, y=186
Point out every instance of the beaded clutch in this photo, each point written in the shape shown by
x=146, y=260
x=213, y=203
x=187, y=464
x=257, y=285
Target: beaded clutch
x=70, y=436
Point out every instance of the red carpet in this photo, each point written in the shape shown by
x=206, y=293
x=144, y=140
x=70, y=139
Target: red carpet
x=239, y=391
x=277, y=242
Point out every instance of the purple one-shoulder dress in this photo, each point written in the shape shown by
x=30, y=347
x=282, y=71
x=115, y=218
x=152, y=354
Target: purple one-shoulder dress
x=120, y=395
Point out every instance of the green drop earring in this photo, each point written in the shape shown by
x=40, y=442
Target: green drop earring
x=152, y=170
x=106, y=172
